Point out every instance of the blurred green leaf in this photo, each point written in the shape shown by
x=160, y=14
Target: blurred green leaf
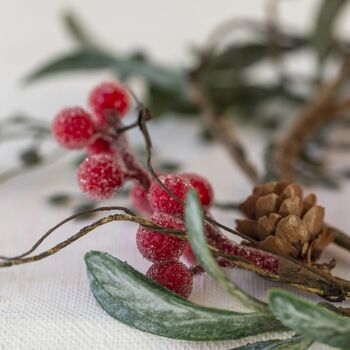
x=59, y=199
x=326, y=20
x=246, y=97
x=79, y=60
x=77, y=31
x=171, y=81
x=243, y=55
x=161, y=101
x=168, y=166
x=30, y=157
x=84, y=207
x=238, y=56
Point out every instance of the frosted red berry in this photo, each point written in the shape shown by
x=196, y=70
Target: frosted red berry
x=139, y=199
x=161, y=201
x=100, y=145
x=202, y=186
x=173, y=275
x=212, y=233
x=107, y=98
x=157, y=246
x=100, y=176
x=259, y=258
x=73, y=128
x=189, y=255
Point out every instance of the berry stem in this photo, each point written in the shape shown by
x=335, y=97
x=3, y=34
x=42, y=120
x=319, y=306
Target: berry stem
x=313, y=286
x=133, y=166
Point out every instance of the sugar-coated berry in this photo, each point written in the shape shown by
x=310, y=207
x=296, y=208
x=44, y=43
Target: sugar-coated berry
x=73, y=128
x=139, y=199
x=161, y=201
x=259, y=258
x=157, y=246
x=100, y=176
x=100, y=145
x=211, y=232
x=173, y=275
x=189, y=255
x=109, y=97
x=202, y=186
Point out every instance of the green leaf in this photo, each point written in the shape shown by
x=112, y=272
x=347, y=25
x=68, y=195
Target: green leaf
x=196, y=236
x=79, y=60
x=30, y=157
x=162, y=101
x=132, y=298
x=238, y=56
x=93, y=59
x=167, y=166
x=84, y=207
x=297, y=342
x=242, y=55
x=77, y=30
x=59, y=199
x=228, y=91
x=326, y=20
x=313, y=321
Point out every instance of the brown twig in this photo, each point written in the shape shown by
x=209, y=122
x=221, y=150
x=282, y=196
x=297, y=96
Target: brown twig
x=320, y=110
x=85, y=230
x=317, y=287
x=222, y=130
x=70, y=218
x=340, y=237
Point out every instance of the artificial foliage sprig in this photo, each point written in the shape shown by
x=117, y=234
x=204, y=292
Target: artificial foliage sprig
x=283, y=233
x=180, y=206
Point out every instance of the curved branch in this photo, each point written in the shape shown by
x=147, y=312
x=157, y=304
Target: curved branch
x=320, y=110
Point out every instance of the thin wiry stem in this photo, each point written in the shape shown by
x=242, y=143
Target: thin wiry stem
x=84, y=231
x=70, y=218
x=240, y=262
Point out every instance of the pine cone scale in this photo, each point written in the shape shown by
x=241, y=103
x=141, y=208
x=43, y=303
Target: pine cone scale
x=284, y=221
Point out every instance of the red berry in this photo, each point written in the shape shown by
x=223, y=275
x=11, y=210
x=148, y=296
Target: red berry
x=157, y=246
x=73, y=128
x=100, y=175
x=161, y=201
x=212, y=232
x=203, y=187
x=189, y=255
x=139, y=199
x=259, y=258
x=173, y=275
x=107, y=98
x=100, y=145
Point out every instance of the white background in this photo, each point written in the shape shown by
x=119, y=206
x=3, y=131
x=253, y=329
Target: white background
x=47, y=305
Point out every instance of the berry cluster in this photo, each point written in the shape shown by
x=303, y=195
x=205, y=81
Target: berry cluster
x=165, y=250
x=110, y=162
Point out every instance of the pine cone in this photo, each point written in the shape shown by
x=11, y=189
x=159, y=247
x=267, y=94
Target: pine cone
x=285, y=222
